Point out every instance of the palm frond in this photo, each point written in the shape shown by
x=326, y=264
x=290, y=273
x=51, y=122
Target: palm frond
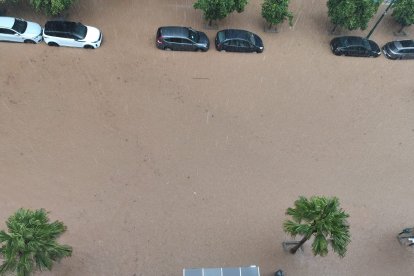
x=322, y=217
x=31, y=242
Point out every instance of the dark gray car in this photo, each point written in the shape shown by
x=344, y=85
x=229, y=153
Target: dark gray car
x=181, y=39
x=234, y=40
x=354, y=46
x=403, y=49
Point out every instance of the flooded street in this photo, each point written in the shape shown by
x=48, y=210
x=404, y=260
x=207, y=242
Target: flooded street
x=159, y=160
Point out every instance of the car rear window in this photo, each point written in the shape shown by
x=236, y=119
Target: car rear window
x=221, y=36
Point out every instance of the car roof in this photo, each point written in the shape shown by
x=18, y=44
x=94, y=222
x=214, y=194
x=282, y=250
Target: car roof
x=354, y=40
x=6, y=22
x=402, y=44
x=175, y=31
x=60, y=26
x=236, y=33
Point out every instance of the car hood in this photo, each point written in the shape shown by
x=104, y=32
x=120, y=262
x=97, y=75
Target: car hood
x=33, y=29
x=374, y=46
x=338, y=41
x=92, y=34
x=203, y=40
x=259, y=42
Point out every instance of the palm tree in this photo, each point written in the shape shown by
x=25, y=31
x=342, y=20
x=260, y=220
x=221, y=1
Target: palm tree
x=322, y=218
x=30, y=243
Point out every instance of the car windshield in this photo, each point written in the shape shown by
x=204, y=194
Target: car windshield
x=252, y=39
x=392, y=47
x=193, y=35
x=19, y=26
x=80, y=30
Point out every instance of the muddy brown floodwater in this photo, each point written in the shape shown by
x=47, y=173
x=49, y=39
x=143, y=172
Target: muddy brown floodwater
x=158, y=160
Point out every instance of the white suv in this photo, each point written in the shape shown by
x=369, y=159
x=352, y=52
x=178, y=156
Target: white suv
x=19, y=30
x=72, y=34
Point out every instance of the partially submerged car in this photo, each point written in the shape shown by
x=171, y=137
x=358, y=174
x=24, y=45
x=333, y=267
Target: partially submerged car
x=181, y=39
x=403, y=49
x=354, y=46
x=234, y=40
x=19, y=30
x=72, y=34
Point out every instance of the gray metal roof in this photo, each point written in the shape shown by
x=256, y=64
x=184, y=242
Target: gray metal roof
x=223, y=271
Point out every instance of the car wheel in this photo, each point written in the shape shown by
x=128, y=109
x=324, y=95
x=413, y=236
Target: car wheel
x=88, y=47
x=29, y=41
x=53, y=44
x=222, y=50
x=338, y=53
x=167, y=49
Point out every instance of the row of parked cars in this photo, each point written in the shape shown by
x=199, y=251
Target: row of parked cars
x=234, y=40
x=362, y=47
x=55, y=33
x=187, y=39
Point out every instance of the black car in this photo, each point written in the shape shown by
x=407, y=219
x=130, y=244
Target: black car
x=354, y=46
x=403, y=49
x=181, y=39
x=234, y=40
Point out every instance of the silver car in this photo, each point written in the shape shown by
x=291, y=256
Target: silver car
x=403, y=49
x=19, y=30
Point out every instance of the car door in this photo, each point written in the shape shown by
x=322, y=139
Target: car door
x=349, y=50
x=365, y=52
x=226, y=45
x=63, y=39
x=176, y=43
x=244, y=46
x=188, y=45
x=410, y=53
x=10, y=35
x=407, y=53
x=77, y=41
x=354, y=51
x=234, y=45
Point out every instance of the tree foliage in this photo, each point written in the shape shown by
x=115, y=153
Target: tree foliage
x=322, y=218
x=403, y=12
x=239, y=5
x=219, y=9
x=51, y=7
x=276, y=11
x=352, y=14
x=30, y=243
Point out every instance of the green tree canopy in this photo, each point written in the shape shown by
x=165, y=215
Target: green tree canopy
x=214, y=9
x=322, y=218
x=50, y=7
x=219, y=9
x=403, y=12
x=276, y=11
x=30, y=243
x=352, y=14
x=239, y=5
